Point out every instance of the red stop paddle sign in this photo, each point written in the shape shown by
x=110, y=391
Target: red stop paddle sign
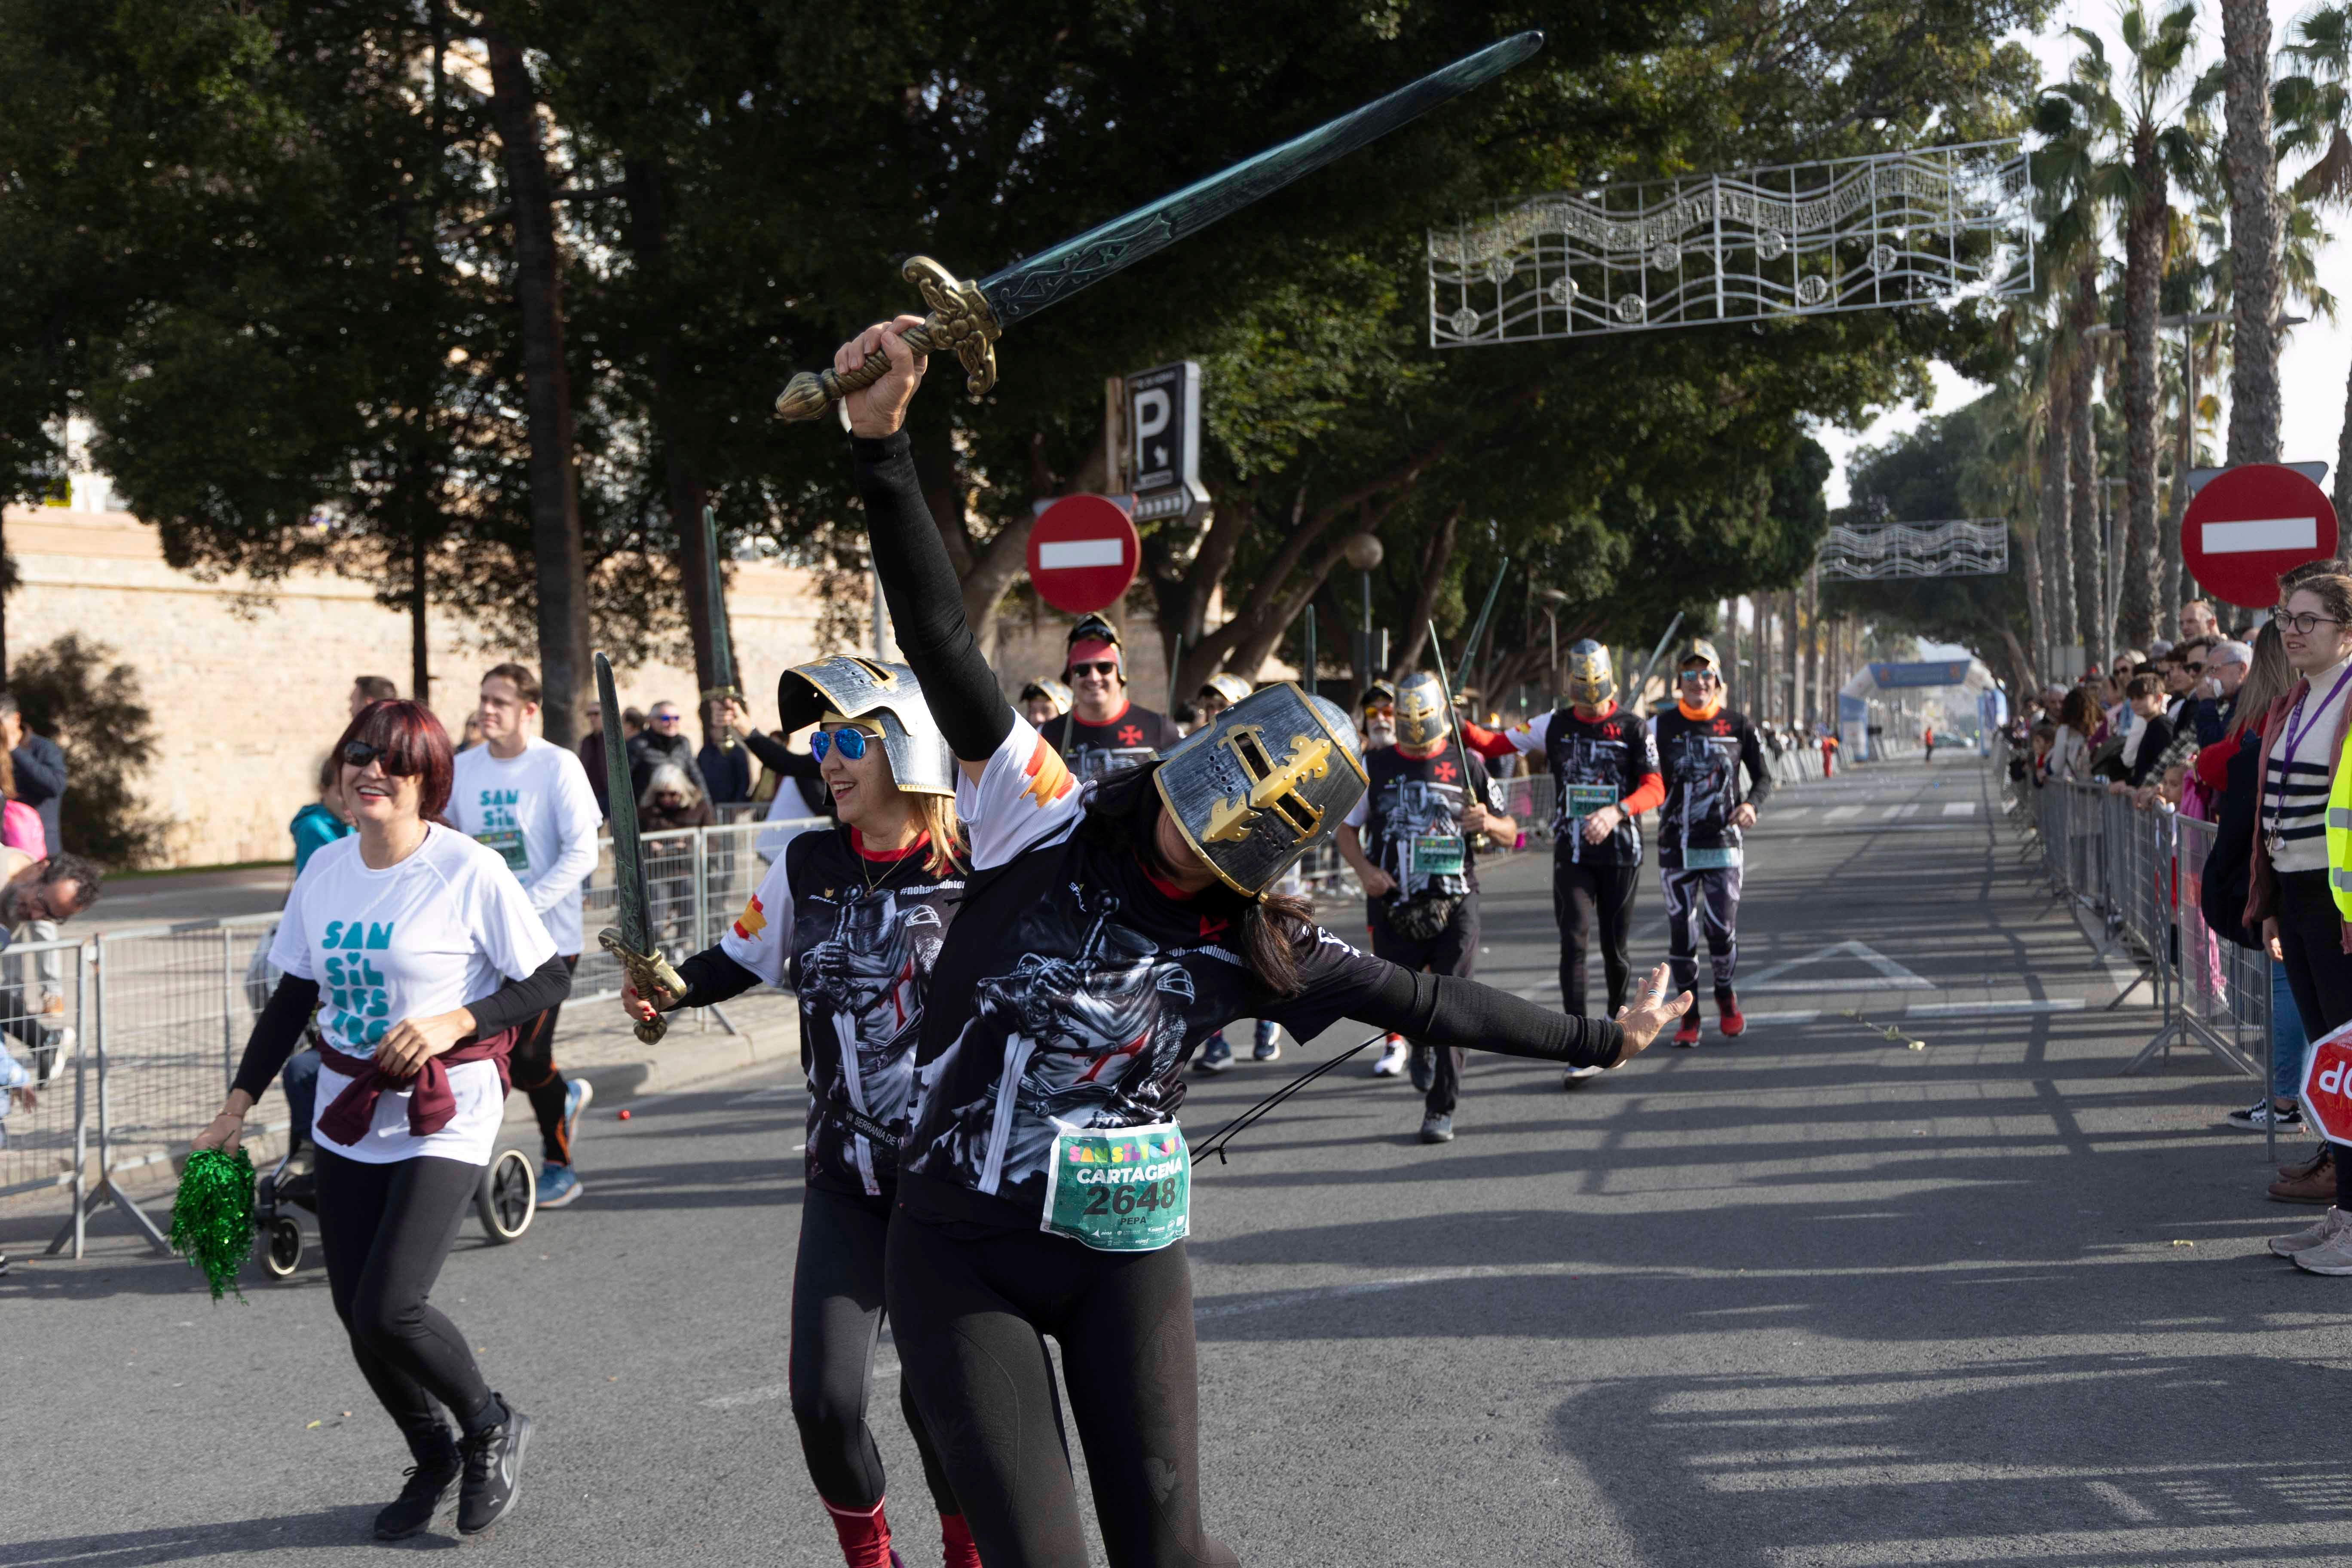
x=2327, y=1085
x=2249, y=525
x=1082, y=554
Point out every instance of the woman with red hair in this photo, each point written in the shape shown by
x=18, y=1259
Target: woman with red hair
x=420, y=954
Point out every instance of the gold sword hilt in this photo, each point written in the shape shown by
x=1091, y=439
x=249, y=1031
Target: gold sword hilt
x=960, y=322
x=650, y=976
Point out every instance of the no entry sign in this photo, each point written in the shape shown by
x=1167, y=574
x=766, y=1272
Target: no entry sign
x=2324, y=1087
x=1082, y=553
x=2249, y=525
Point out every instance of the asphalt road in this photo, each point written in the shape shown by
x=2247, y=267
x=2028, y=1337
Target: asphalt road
x=1812, y=1298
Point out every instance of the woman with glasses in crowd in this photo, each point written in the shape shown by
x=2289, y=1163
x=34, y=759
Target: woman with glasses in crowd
x=2302, y=747
x=851, y=918
x=2226, y=776
x=420, y=954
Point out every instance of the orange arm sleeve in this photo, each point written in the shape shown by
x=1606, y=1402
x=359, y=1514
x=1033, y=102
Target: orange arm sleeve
x=1651, y=796
x=1488, y=742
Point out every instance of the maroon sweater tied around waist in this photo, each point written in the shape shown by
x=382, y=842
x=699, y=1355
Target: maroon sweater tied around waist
x=431, y=1103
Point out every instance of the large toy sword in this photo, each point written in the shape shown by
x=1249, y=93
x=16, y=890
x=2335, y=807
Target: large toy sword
x=966, y=318
x=632, y=942
x=724, y=686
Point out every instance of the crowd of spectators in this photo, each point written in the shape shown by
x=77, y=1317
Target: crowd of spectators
x=2243, y=729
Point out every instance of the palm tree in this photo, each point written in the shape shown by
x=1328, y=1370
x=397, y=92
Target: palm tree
x=2314, y=105
x=2249, y=168
x=2145, y=136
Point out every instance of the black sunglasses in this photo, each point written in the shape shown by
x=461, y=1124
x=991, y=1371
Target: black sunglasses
x=1104, y=668
x=359, y=754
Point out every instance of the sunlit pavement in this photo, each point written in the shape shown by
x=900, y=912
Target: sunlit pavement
x=1908, y=1274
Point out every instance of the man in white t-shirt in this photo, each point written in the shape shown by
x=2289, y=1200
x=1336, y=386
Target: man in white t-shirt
x=530, y=800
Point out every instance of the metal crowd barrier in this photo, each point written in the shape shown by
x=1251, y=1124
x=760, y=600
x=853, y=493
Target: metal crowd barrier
x=122, y=1061
x=2137, y=876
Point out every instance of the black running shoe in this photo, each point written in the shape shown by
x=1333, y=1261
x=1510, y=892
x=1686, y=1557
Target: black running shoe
x=429, y=1481
x=493, y=1471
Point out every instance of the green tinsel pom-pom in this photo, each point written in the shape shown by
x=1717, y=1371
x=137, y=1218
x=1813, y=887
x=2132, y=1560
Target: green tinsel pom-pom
x=211, y=1219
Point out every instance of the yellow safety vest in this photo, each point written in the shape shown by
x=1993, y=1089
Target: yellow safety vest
x=2339, y=833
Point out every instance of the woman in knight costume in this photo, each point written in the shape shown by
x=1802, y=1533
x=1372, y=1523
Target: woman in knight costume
x=852, y=919
x=1108, y=930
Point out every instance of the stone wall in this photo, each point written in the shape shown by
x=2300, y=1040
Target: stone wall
x=249, y=688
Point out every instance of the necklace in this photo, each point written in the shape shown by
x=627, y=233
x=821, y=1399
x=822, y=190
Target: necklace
x=875, y=884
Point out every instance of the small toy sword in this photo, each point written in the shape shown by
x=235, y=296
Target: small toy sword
x=966, y=318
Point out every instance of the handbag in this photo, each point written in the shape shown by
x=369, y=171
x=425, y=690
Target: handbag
x=1423, y=919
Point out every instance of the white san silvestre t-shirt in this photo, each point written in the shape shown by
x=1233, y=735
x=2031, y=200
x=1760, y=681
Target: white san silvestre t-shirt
x=539, y=813
x=446, y=926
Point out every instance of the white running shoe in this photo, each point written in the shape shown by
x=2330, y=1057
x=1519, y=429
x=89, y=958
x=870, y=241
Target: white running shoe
x=2317, y=1235
x=1392, y=1062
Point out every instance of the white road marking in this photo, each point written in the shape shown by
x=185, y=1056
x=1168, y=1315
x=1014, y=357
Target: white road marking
x=1892, y=812
x=1889, y=972
x=2122, y=1502
x=1992, y=1009
x=1959, y=808
x=1841, y=814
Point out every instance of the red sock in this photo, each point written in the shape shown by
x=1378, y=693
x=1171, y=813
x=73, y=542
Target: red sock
x=955, y=1543
x=864, y=1535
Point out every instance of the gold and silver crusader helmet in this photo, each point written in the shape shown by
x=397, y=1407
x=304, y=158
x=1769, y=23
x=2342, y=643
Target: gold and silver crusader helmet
x=884, y=697
x=1420, y=716
x=1227, y=685
x=1591, y=679
x=1263, y=782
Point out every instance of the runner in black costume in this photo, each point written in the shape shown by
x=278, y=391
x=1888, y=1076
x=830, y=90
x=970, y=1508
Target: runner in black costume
x=1604, y=769
x=853, y=925
x=1097, y=944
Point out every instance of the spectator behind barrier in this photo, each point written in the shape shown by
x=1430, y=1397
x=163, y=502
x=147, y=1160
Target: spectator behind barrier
x=664, y=741
x=367, y=689
x=38, y=766
x=324, y=820
x=671, y=800
x=592, y=757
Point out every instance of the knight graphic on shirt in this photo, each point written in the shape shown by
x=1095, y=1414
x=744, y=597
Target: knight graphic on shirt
x=854, y=932
x=1130, y=736
x=1411, y=819
x=1704, y=759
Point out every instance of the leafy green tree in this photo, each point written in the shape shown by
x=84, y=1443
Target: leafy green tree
x=71, y=691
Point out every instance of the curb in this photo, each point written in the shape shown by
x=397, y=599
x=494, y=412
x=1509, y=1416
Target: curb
x=702, y=1058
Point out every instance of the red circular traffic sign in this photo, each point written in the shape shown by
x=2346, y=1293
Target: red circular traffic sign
x=2251, y=523
x=2327, y=1084
x=1083, y=553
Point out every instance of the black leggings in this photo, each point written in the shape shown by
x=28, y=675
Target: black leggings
x=972, y=1317
x=836, y=1318
x=1585, y=896
x=531, y=1065
x=386, y=1230
x=1454, y=950
x=2319, y=972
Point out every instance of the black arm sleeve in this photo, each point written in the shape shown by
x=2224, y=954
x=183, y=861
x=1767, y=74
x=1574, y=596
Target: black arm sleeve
x=518, y=1000
x=779, y=758
x=1751, y=757
x=927, y=602
x=711, y=977
x=1446, y=1010
x=275, y=1033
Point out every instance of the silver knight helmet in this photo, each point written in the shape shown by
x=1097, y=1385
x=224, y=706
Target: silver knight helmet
x=1263, y=782
x=1420, y=716
x=1226, y=686
x=1590, y=680
x=884, y=697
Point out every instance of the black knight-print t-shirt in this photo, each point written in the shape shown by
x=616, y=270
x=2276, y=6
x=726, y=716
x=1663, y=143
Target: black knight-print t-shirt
x=1594, y=762
x=1411, y=817
x=1703, y=760
x=854, y=932
x=1071, y=990
x=1131, y=737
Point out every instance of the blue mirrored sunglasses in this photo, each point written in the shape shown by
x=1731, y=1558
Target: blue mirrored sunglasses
x=851, y=740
